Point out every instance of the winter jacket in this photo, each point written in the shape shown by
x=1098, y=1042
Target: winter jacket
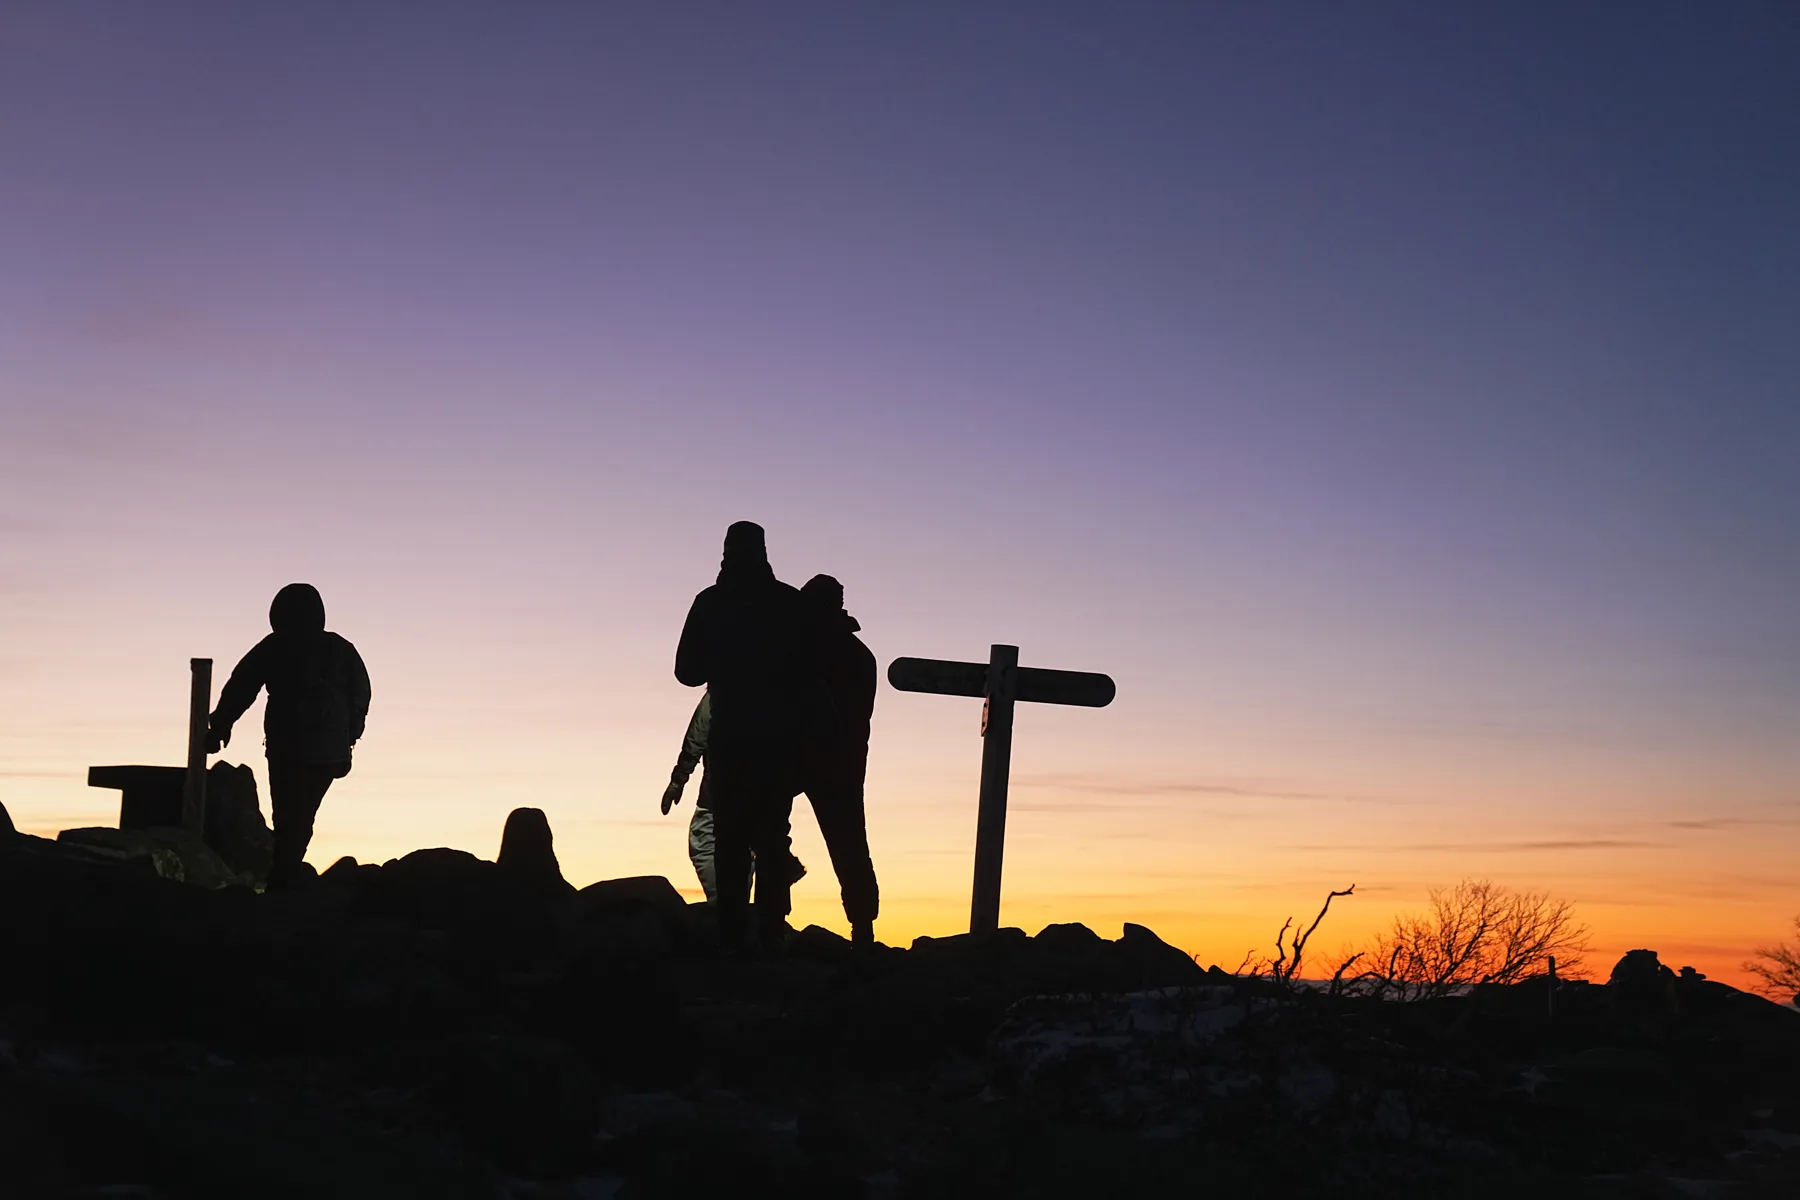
x=318, y=695
x=752, y=641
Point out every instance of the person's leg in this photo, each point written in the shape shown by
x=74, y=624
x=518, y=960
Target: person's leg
x=838, y=805
x=700, y=853
x=770, y=841
x=295, y=792
x=732, y=801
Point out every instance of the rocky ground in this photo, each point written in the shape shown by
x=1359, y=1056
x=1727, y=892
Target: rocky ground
x=442, y=1026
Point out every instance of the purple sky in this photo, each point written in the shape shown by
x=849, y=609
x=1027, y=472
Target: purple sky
x=1400, y=403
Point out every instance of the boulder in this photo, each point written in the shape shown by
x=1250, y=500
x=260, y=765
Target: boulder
x=528, y=854
x=440, y=864
x=1640, y=984
x=820, y=944
x=6, y=825
x=1639, y=970
x=234, y=821
x=174, y=853
x=436, y=888
x=1072, y=936
x=1154, y=961
x=1072, y=955
x=652, y=894
x=347, y=871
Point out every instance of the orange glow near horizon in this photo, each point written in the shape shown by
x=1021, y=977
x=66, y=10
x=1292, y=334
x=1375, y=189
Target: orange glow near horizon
x=1212, y=867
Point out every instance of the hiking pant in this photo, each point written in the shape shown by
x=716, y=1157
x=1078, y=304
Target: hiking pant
x=295, y=792
x=702, y=852
x=752, y=797
x=836, y=794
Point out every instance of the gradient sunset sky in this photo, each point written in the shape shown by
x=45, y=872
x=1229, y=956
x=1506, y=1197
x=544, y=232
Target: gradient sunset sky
x=1401, y=402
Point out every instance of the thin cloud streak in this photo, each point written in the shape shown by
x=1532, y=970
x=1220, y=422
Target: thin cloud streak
x=1494, y=847
x=1714, y=823
x=1116, y=787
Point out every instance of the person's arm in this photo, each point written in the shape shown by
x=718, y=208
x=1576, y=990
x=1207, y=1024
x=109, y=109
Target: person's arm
x=239, y=693
x=693, y=746
x=693, y=749
x=694, y=653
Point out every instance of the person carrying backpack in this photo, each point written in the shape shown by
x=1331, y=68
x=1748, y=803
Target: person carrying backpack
x=318, y=702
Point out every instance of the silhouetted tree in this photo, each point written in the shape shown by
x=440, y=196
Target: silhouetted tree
x=1284, y=968
x=1777, y=969
x=1474, y=933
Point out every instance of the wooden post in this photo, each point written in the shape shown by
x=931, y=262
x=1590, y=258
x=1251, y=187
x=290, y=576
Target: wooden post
x=996, y=768
x=193, y=795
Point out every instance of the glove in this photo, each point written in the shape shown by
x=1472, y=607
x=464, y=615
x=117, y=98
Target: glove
x=217, y=737
x=671, y=796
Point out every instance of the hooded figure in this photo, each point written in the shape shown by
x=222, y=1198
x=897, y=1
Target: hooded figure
x=318, y=700
x=749, y=641
x=835, y=768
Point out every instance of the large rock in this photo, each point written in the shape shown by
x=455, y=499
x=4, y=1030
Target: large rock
x=6, y=825
x=528, y=852
x=1072, y=955
x=1154, y=961
x=438, y=887
x=652, y=894
x=1642, y=985
x=234, y=821
x=1640, y=971
x=174, y=853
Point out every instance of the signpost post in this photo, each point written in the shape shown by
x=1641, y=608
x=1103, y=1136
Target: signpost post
x=1003, y=682
x=193, y=794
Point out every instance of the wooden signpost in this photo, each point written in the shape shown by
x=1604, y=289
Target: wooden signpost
x=1003, y=682
x=193, y=792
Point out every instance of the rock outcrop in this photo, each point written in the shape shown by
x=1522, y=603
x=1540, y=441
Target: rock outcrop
x=175, y=854
x=436, y=1025
x=235, y=827
x=528, y=852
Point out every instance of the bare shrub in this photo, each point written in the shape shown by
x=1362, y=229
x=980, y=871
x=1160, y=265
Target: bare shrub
x=1777, y=969
x=1284, y=968
x=1474, y=933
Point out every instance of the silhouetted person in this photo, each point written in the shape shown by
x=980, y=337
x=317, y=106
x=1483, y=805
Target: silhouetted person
x=318, y=701
x=701, y=849
x=749, y=640
x=836, y=768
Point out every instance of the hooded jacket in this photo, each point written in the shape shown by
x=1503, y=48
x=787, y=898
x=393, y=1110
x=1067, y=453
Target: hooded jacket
x=751, y=640
x=317, y=683
x=846, y=664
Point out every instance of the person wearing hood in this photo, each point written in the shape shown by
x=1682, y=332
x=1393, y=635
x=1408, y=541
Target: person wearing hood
x=749, y=641
x=318, y=702
x=836, y=768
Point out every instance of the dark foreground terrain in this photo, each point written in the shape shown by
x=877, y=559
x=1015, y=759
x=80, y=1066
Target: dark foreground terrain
x=440, y=1026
